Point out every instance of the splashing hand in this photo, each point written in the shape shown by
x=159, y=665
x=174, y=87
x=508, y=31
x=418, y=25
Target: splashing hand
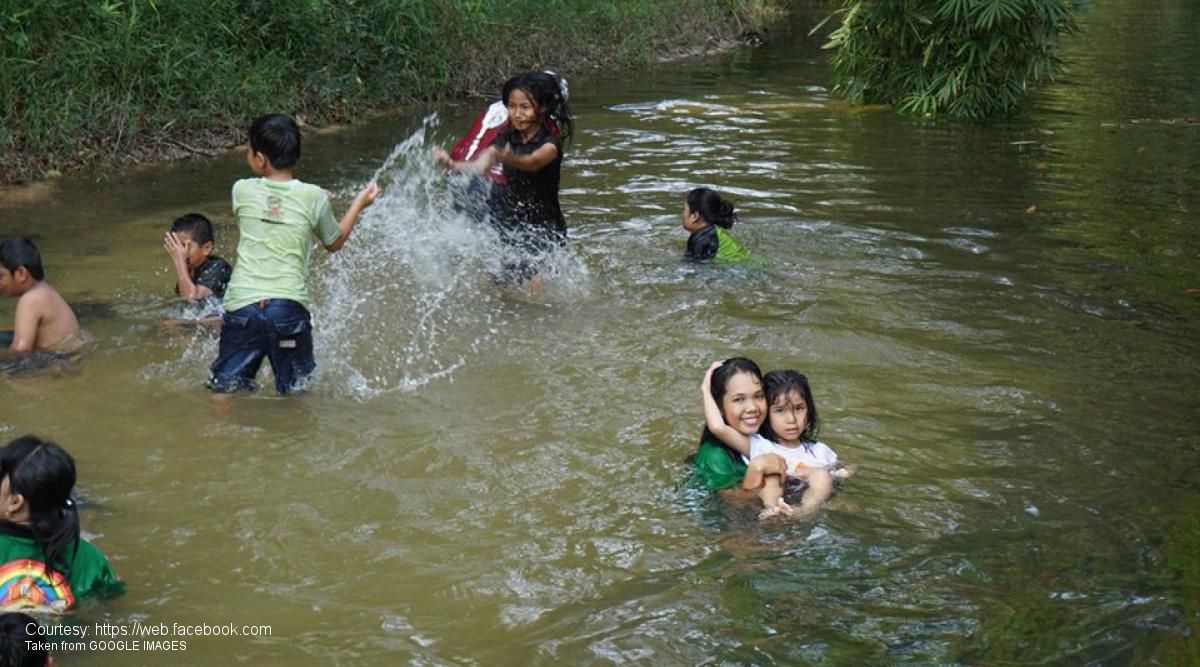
x=367, y=196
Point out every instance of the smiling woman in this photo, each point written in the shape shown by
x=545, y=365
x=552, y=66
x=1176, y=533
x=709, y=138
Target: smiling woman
x=733, y=389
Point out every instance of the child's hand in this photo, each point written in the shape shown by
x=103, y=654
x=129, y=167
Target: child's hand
x=769, y=464
x=174, y=247
x=441, y=157
x=367, y=196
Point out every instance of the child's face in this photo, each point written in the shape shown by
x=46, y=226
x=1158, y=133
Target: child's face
x=196, y=253
x=523, y=112
x=10, y=281
x=692, y=221
x=789, y=417
x=744, y=403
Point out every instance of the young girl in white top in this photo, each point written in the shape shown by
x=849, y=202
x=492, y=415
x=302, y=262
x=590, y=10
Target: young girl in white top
x=791, y=432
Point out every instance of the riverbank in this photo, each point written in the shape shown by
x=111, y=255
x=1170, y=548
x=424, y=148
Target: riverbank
x=93, y=84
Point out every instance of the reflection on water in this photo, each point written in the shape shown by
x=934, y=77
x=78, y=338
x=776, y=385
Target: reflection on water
x=996, y=320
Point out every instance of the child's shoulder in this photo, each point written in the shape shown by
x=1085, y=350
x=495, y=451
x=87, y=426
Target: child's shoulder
x=43, y=293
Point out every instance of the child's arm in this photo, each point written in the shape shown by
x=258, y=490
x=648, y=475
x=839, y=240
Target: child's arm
x=476, y=167
x=544, y=155
x=761, y=467
x=360, y=204
x=183, y=278
x=713, y=419
x=27, y=319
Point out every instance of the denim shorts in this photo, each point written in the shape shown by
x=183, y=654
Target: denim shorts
x=278, y=329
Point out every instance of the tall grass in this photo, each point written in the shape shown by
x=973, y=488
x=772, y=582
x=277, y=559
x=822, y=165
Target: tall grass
x=94, y=81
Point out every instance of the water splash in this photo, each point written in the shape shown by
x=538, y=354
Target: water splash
x=411, y=298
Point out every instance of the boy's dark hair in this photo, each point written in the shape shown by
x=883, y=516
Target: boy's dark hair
x=19, y=251
x=777, y=385
x=712, y=207
x=718, y=386
x=278, y=137
x=44, y=474
x=14, y=642
x=194, y=225
x=545, y=89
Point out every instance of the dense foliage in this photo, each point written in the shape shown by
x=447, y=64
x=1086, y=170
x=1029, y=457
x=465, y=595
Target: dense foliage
x=89, y=80
x=966, y=59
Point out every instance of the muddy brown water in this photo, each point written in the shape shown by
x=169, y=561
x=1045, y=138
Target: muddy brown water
x=1000, y=324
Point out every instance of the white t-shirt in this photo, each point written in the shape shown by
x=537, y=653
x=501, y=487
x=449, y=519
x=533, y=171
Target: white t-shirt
x=815, y=455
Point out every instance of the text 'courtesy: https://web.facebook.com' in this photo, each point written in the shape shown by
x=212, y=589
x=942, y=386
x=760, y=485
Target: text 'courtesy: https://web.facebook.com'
x=132, y=637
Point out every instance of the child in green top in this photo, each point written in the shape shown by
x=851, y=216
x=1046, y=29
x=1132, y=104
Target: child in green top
x=44, y=564
x=266, y=303
x=708, y=216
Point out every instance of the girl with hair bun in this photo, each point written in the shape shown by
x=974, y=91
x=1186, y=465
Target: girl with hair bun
x=44, y=564
x=708, y=216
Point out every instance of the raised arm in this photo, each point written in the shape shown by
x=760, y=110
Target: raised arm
x=183, y=278
x=715, y=421
x=360, y=204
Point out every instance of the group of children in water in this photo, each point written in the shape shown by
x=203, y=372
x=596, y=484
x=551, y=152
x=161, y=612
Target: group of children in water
x=760, y=435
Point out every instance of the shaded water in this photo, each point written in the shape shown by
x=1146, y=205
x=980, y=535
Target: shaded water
x=484, y=478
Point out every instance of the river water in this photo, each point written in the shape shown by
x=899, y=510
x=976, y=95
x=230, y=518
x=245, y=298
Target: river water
x=1000, y=325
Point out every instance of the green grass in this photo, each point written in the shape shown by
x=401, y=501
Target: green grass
x=86, y=82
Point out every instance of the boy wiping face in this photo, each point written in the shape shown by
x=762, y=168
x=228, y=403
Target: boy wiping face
x=199, y=274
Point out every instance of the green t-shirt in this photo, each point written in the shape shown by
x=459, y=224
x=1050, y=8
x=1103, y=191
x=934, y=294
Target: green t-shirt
x=729, y=251
x=276, y=225
x=25, y=583
x=713, y=467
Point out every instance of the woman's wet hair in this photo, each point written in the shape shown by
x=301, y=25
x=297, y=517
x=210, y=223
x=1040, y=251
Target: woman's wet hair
x=194, y=225
x=718, y=387
x=778, y=385
x=547, y=91
x=44, y=474
x=712, y=207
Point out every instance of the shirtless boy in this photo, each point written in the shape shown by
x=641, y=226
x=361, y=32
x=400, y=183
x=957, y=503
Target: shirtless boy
x=43, y=320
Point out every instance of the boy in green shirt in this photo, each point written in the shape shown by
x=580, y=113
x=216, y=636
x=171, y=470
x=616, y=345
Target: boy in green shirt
x=266, y=303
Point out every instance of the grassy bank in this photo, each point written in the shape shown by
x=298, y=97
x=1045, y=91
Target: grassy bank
x=91, y=82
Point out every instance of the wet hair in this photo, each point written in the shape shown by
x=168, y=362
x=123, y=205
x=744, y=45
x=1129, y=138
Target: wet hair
x=547, y=91
x=19, y=251
x=194, y=225
x=15, y=640
x=712, y=207
x=44, y=474
x=719, y=386
x=278, y=137
x=778, y=385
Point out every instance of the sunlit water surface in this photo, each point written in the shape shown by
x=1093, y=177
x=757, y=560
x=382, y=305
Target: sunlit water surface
x=1000, y=324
